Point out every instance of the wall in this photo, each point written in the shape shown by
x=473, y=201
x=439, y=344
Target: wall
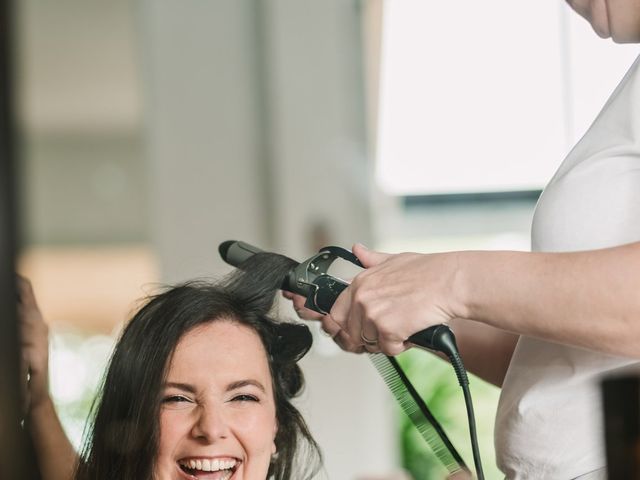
x=255, y=131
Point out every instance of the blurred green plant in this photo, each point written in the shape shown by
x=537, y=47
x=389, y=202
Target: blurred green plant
x=436, y=382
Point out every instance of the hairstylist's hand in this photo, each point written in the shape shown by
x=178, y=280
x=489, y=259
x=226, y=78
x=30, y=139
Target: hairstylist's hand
x=34, y=334
x=395, y=297
x=331, y=328
x=56, y=456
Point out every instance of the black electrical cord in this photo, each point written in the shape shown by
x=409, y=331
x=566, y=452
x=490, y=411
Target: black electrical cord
x=442, y=339
x=461, y=373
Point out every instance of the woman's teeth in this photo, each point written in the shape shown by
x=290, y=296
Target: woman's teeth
x=206, y=465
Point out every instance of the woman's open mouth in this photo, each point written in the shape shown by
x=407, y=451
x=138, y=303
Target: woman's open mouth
x=208, y=469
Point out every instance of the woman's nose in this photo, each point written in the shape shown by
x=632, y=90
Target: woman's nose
x=210, y=423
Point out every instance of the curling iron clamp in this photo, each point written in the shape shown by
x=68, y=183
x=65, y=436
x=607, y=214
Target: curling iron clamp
x=311, y=280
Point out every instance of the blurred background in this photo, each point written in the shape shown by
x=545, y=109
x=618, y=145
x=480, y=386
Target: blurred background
x=153, y=130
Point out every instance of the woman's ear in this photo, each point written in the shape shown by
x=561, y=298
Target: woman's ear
x=274, y=449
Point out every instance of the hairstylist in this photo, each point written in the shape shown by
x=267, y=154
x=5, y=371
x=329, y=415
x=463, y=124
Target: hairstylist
x=544, y=325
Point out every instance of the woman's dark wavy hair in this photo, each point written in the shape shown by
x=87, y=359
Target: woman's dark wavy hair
x=122, y=440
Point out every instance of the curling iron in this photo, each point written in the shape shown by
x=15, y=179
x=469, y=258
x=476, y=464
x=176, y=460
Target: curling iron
x=311, y=280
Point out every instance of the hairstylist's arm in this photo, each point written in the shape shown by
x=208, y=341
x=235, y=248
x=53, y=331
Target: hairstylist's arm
x=588, y=299
x=485, y=350
x=56, y=457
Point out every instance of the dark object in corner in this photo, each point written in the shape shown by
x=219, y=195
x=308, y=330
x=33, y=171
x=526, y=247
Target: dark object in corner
x=16, y=459
x=621, y=402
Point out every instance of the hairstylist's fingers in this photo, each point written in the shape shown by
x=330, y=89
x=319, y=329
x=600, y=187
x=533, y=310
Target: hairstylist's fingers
x=26, y=296
x=338, y=320
x=341, y=309
x=298, y=306
x=369, y=336
x=24, y=383
x=361, y=310
x=369, y=258
x=34, y=339
x=372, y=348
x=330, y=327
x=344, y=341
x=347, y=344
x=32, y=329
x=392, y=348
x=388, y=338
x=374, y=326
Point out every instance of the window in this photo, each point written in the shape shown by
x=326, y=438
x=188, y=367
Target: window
x=486, y=96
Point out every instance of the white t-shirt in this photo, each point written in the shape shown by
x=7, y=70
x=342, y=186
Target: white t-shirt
x=549, y=422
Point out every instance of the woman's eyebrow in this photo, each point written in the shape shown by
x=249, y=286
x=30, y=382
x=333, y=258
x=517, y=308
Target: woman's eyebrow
x=244, y=383
x=182, y=386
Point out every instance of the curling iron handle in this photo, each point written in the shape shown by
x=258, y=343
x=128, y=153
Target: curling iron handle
x=437, y=337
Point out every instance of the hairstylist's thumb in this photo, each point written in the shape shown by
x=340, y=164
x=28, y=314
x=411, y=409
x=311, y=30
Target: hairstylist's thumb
x=369, y=258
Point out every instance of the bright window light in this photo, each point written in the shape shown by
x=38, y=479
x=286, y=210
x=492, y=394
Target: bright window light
x=486, y=96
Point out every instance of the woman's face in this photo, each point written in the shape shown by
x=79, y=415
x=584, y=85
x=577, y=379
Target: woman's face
x=618, y=19
x=218, y=416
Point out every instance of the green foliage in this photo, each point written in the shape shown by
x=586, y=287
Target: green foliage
x=436, y=382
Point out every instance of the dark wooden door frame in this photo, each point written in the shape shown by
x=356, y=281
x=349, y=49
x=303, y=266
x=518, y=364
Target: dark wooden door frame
x=13, y=450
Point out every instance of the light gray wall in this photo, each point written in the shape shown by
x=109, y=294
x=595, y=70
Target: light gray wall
x=255, y=109
x=84, y=188
x=83, y=171
x=255, y=131
x=316, y=92
x=201, y=132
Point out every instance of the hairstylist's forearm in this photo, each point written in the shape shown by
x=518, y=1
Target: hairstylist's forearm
x=486, y=351
x=589, y=299
x=56, y=457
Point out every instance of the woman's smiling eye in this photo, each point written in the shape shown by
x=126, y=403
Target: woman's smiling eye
x=175, y=399
x=245, y=398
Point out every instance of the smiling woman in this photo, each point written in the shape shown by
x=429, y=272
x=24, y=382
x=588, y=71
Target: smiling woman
x=218, y=390
x=199, y=387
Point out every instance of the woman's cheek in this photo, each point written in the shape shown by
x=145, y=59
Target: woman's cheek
x=174, y=425
x=258, y=420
